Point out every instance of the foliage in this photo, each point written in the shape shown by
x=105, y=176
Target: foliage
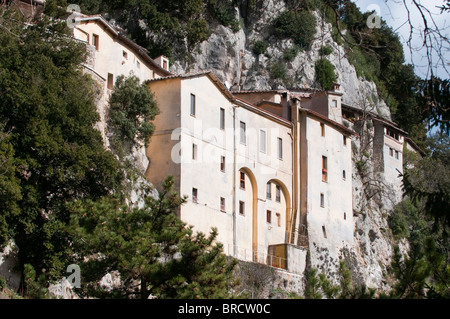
x=428, y=181
x=132, y=107
x=290, y=53
x=224, y=12
x=423, y=219
x=10, y=192
x=318, y=286
x=300, y=26
x=52, y=152
x=152, y=249
x=325, y=50
x=260, y=47
x=325, y=74
x=35, y=284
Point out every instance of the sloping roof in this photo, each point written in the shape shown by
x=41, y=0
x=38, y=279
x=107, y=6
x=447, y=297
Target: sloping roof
x=329, y=121
x=226, y=92
x=119, y=34
x=376, y=118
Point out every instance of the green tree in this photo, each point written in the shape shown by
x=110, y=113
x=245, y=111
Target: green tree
x=152, y=249
x=300, y=26
x=10, y=192
x=423, y=218
x=47, y=107
x=132, y=108
x=325, y=74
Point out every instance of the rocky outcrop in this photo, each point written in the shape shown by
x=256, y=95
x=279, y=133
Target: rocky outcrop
x=229, y=55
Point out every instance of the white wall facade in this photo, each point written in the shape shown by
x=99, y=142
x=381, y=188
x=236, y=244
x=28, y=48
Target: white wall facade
x=330, y=218
x=245, y=233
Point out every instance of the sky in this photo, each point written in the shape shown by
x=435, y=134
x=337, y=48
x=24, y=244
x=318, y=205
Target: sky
x=396, y=16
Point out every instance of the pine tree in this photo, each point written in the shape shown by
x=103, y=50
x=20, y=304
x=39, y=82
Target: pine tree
x=154, y=252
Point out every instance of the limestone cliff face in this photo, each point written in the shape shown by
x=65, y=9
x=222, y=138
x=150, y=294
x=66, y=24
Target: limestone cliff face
x=230, y=56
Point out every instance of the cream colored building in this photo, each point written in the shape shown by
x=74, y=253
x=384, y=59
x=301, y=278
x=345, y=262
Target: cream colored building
x=232, y=159
x=111, y=54
x=322, y=170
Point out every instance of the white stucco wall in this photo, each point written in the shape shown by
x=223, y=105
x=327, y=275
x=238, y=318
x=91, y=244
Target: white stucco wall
x=331, y=226
x=204, y=172
x=109, y=58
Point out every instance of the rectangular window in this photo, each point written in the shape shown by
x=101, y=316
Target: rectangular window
x=242, y=180
x=324, y=169
x=222, y=118
x=241, y=208
x=322, y=129
x=343, y=175
x=278, y=194
x=324, y=232
x=125, y=54
x=322, y=200
x=262, y=141
x=269, y=216
x=192, y=104
x=334, y=103
x=138, y=64
x=194, y=151
x=222, y=163
x=269, y=190
x=194, y=195
x=242, y=133
x=110, y=81
x=344, y=139
x=280, y=148
x=278, y=219
x=391, y=151
x=396, y=154
x=222, y=204
x=95, y=41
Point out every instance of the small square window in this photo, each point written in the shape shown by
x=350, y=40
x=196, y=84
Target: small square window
x=280, y=148
x=324, y=232
x=269, y=190
x=324, y=169
x=222, y=163
x=262, y=141
x=269, y=216
x=194, y=195
x=193, y=105
x=241, y=208
x=334, y=103
x=243, y=138
x=95, y=41
x=242, y=180
x=110, y=81
x=222, y=119
x=194, y=151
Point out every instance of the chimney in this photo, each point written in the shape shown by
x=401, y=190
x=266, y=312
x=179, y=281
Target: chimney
x=335, y=87
x=163, y=62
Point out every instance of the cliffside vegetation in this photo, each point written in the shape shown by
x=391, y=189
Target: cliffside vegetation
x=62, y=194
